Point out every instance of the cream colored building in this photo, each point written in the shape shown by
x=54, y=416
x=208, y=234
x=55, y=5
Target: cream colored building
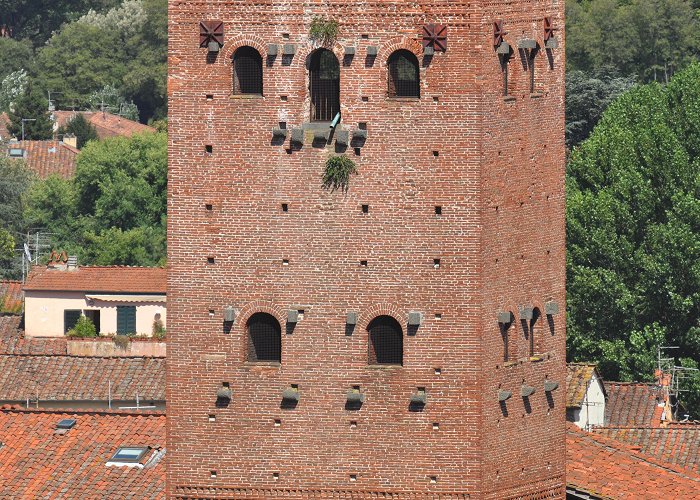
x=119, y=300
x=585, y=396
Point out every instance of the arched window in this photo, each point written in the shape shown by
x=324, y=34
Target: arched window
x=385, y=341
x=404, y=77
x=324, y=85
x=264, y=338
x=247, y=71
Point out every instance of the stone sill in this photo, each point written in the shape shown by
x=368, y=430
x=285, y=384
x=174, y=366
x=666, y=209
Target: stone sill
x=402, y=99
x=536, y=95
x=384, y=367
x=509, y=98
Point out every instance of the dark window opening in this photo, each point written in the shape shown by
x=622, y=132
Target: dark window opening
x=324, y=81
x=404, y=79
x=247, y=71
x=264, y=338
x=126, y=320
x=385, y=341
x=535, y=331
x=504, y=70
x=94, y=316
x=531, y=64
x=70, y=318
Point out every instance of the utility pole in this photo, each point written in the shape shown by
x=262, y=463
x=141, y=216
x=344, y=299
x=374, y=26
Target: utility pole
x=26, y=120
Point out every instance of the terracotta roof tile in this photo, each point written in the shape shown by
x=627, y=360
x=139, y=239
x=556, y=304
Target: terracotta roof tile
x=633, y=404
x=611, y=469
x=107, y=124
x=73, y=378
x=38, y=463
x=578, y=376
x=48, y=157
x=10, y=297
x=678, y=444
x=114, y=279
x=12, y=340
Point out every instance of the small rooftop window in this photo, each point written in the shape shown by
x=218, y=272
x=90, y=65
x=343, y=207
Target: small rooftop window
x=16, y=153
x=66, y=423
x=128, y=455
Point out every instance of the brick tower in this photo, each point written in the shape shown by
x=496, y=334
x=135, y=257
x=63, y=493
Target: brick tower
x=401, y=336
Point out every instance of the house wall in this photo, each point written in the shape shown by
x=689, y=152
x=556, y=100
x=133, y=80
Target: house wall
x=592, y=412
x=495, y=166
x=44, y=313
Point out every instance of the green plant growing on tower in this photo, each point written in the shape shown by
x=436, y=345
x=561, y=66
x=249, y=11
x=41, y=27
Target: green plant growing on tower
x=337, y=173
x=324, y=31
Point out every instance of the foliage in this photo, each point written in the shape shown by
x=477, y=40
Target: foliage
x=122, y=49
x=649, y=38
x=111, y=100
x=113, y=210
x=31, y=105
x=158, y=329
x=84, y=328
x=7, y=245
x=587, y=96
x=14, y=56
x=337, y=173
x=82, y=129
x=12, y=86
x=15, y=179
x=324, y=31
x=633, y=226
x=122, y=341
x=35, y=20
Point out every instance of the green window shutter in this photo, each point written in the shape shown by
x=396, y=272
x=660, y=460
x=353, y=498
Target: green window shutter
x=126, y=319
x=70, y=318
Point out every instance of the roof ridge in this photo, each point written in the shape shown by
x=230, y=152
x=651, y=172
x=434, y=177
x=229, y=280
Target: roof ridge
x=85, y=411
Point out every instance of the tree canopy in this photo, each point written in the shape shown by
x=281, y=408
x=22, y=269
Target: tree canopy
x=30, y=116
x=113, y=210
x=633, y=231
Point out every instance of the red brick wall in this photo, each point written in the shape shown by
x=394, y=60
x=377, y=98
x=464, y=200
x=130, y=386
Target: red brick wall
x=476, y=451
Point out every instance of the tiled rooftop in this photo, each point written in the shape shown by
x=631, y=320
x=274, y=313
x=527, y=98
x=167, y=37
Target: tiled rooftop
x=607, y=468
x=73, y=378
x=10, y=297
x=106, y=124
x=578, y=376
x=633, y=404
x=12, y=340
x=39, y=463
x=112, y=279
x=678, y=444
x=47, y=157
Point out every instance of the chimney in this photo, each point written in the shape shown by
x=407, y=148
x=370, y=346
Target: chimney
x=72, y=262
x=71, y=140
x=58, y=260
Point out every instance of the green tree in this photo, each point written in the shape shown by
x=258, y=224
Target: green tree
x=31, y=106
x=14, y=56
x=652, y=39
x=15, y=180
x=633, y=227
x=36, y=20
x=7, y=245
x=84, y=328
x=113, y=210
x=587, y=96
x=82, y=129
x=78, y=60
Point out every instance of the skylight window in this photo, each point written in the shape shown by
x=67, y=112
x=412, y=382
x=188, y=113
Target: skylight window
x=66, y=423
x=16, y=152
x=128, y=455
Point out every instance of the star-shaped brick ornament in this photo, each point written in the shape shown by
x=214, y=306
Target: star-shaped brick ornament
x=211, y=31
x=435, y=36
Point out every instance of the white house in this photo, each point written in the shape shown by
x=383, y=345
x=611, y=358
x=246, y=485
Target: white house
x=585, y=396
